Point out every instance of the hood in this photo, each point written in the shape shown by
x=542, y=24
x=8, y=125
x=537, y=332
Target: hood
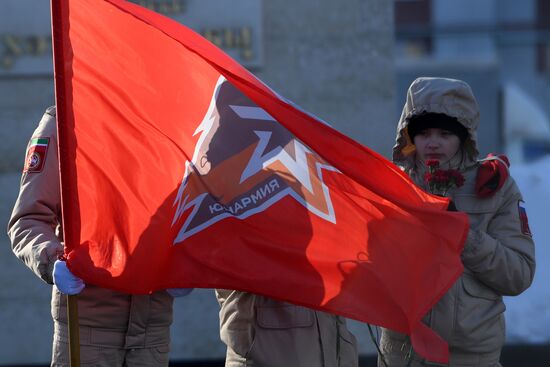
x=437, y=95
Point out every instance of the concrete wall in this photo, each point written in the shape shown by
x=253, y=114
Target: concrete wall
x=335, y=59
x=332, y=58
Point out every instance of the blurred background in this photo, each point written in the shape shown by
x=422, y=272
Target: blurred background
x=348, y=62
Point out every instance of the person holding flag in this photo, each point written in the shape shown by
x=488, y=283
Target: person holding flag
x=436, y=145
x=116, y=329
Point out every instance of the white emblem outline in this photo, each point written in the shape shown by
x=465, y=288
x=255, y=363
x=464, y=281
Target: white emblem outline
x=247, y=112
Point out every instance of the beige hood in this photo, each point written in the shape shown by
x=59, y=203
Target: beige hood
x=437, y=95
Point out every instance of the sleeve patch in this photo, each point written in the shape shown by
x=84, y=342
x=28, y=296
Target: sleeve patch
x=524, y=220
x=36, y=155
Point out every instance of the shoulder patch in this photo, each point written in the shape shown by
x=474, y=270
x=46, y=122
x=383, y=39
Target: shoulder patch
x=36, y=154
x=523, y=220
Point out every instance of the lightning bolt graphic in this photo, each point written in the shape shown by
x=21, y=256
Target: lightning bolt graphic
x=260, y=159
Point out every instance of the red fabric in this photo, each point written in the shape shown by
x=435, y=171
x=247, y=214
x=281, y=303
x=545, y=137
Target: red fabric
x=168, y=182
x=491, y=175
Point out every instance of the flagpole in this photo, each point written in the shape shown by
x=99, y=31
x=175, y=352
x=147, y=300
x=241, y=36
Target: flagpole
x=74, y=333
x=59, y=15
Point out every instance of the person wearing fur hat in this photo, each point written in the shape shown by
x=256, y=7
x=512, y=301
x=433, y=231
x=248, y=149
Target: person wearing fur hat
x=436, y=146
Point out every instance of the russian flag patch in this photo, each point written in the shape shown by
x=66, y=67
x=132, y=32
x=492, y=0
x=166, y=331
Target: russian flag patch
x=524, y=220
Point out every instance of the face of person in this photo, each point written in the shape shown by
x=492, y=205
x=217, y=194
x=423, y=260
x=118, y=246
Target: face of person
x=438, y=144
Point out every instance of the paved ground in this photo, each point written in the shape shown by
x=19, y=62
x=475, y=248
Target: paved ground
x=512, y=356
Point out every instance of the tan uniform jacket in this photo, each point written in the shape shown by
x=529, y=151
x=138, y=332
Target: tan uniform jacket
x=262, y=332
x=106, y=317
x=499, y=253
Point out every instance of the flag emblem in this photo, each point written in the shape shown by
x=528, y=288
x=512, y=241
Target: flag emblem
x=36, y=154
x=244, y=162
x=524, y=220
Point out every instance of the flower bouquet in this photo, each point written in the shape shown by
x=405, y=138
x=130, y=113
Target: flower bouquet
x=440, y=181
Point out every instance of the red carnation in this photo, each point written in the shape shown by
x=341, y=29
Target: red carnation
x=432, y=163
x=428, y=177
x=457, y=177
x=441, y=181
x=441, y=176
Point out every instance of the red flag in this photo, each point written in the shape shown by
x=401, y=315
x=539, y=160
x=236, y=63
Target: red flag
x=180, y=169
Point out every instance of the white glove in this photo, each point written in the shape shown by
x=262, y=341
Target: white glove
x=179, y=292
x=65, y=281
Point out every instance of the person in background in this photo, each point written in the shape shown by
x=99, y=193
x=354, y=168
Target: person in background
x=263, y=332
x=436, y=146
x=116, y=329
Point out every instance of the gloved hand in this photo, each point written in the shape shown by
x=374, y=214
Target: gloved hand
x=179, y=292
x=65, y=281
x=491, y=175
